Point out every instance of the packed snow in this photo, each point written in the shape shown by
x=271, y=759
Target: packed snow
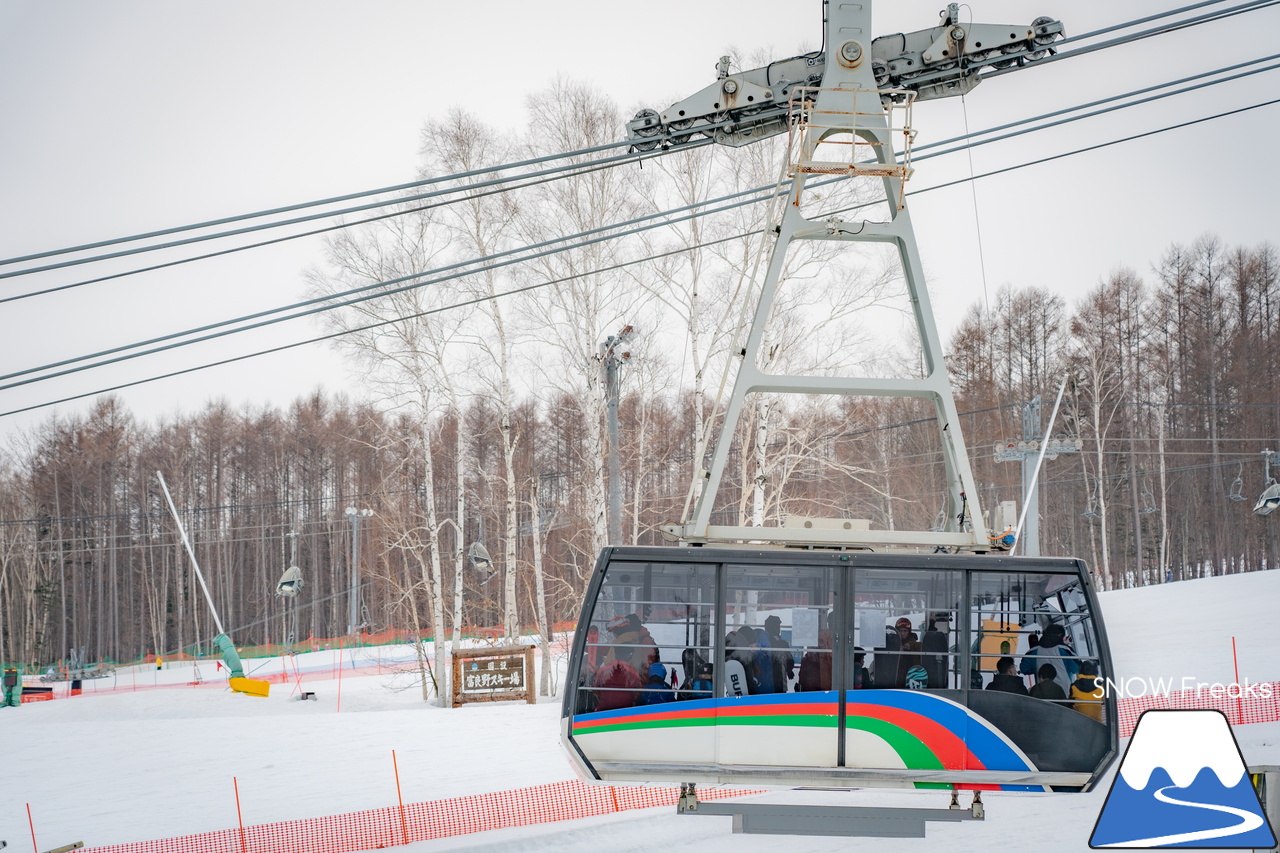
x=166, y=759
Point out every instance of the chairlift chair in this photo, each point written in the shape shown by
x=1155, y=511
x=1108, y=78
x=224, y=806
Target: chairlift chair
x=1237, y=485
x=1148, y=500
x=1091, y=511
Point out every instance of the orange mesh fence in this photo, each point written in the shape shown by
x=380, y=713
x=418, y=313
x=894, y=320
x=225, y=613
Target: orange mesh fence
x=571, y=800
x=1243, y=704
x=391, y=826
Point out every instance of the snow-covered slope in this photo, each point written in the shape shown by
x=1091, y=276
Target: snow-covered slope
x=159, y=763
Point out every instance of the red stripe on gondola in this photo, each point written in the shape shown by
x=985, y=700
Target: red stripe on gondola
x=728, y=710
x=953, y=752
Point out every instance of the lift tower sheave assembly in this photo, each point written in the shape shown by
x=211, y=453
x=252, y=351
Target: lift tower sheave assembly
x=855, y=100
x=943, y=61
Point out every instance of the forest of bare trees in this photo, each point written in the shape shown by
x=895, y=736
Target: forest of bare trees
x=483, y=420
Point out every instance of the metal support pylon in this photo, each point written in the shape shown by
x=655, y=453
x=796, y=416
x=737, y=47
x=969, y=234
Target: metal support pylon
x=848, y=109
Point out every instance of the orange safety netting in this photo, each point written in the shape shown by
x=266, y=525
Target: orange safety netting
x=1260, y=703
x=571, y=800
x=394, y=825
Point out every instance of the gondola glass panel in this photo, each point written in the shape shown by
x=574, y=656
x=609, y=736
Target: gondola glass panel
x=904, y=619
x=648, y=649
x=1035, y=655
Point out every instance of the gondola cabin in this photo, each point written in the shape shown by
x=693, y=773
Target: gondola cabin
x=839, y=669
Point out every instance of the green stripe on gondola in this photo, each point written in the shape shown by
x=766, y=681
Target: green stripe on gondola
x=806, y=720
x=910, y=749
x=914, y=754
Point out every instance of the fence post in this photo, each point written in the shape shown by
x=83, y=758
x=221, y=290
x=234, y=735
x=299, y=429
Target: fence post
x=404, y=824
x=1235, y=662
x=244, y=847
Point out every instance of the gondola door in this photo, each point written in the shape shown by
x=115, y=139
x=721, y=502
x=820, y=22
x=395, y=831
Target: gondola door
x=779, y=639
x=902, y=713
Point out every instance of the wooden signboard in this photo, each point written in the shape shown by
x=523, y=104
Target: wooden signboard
x=497, y=674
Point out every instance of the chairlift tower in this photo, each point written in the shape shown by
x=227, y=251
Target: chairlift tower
x=848, y=113
x=1027, y=451
x=354, y=622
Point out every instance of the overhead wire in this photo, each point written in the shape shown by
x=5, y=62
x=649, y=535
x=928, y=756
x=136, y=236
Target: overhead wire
x=586, y=169
x=1208, y=18
x=622, y=225
x=1251, y=6
x=532, y=161
x=527, y=288
x=708, y=210
x=561, y=172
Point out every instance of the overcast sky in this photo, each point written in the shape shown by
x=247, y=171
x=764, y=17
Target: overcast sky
x=121, y=116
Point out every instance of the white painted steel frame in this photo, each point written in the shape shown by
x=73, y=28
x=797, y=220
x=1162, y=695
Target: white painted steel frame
x=850, y=91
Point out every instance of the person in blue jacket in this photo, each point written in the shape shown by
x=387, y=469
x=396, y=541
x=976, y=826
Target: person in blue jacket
x=656, y=689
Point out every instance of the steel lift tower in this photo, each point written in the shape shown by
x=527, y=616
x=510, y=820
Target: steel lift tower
x=847, y=110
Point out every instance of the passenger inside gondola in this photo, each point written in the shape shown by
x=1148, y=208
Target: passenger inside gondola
x=764, y=664
x=1046, y=687
x=815, y=665
x=700, y=686
x=618, y=680
x=909, y=658
x=1006, y=680
x=861, y=678
x=740, y=667
x=656, y=690
x=1087, y=691
x=780, y=659
x=934, y=649
x=1051, y=649
x=691, y=662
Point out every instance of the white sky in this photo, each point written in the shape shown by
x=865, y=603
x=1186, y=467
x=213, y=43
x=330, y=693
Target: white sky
x=130, y=115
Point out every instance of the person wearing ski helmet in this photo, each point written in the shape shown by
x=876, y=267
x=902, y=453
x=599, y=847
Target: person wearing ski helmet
x=656, y=690
x=909, y=655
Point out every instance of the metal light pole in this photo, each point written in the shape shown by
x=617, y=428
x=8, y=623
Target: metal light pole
x=354, y=613
x=612, y=360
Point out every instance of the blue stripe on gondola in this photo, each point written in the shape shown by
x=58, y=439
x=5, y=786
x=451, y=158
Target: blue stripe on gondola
x=976, y=732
